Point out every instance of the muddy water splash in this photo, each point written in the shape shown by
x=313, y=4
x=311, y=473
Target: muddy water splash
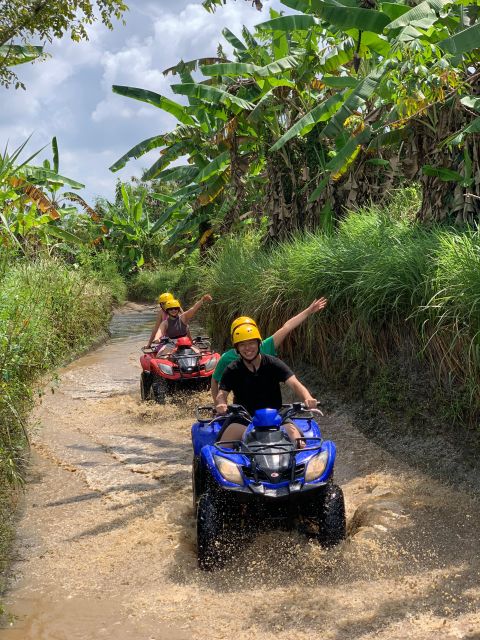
x=107, y=539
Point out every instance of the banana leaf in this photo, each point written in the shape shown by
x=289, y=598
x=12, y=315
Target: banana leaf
x=394, y=10
x=233, y=40
x=337, y=56
x=42, y=175
x=156, y=100
x=211, y=94
x=58, y=232
x=447, y=175
x=168, y=156
x=214, y=167
x=319, y=114
x=458, y=137
x=191, y=65
x=472, y=102
x=462, y=42
x=341, y=16
x=183, y=173
x=139, y=150
x=14, y=54
x=340, y=82
x=354, y=100
x=163, y=197
x=241, y=68
x=289, y=23
x=341, y=158
x=55, y=154
x=423, y=15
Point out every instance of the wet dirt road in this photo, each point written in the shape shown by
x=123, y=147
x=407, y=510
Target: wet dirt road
x=106, y=545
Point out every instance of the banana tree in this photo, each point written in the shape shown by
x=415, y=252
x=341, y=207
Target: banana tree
x=413, y=66
x=29, y=216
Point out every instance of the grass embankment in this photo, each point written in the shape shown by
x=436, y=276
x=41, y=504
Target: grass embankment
x=146, y=286
x=402, y=326
x=48, y=313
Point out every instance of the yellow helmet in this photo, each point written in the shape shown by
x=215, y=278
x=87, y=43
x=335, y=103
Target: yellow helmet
x=245, y=332
x=172, y=304
x=164, y=297
x=242, y=320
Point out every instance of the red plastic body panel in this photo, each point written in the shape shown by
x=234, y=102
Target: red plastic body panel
x=151, y=362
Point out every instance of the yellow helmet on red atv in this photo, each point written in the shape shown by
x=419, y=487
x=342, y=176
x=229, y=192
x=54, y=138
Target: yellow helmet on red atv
x=245, y=332
x=165, y=297
x=240, y=321
x=172, y=304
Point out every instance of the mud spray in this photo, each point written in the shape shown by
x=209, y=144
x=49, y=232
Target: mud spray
x=106, y=545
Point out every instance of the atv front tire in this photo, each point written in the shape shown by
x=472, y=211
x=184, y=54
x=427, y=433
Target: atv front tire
x=145, y=385
x=332, y=521
x=159, y=390
x=212, y=543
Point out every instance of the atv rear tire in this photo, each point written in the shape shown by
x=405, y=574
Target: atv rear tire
x=159, y=390
x=212, y=533
x=145, y=385
x=332, y=521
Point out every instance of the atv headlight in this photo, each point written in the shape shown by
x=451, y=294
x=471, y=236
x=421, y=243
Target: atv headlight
x=166, y=368
x=229, y=470
x=211, y=364
x=316, y=466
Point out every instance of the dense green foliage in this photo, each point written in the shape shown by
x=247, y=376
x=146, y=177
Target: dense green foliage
x=48, y=312
x=321, y=111
x=395, y=289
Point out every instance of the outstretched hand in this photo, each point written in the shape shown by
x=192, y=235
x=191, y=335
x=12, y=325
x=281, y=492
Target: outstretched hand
x=207, y=298
x=317, y=305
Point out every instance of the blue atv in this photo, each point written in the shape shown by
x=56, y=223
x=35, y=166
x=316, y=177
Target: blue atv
x=265, y=480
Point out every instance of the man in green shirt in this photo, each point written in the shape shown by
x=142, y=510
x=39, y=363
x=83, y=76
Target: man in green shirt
x=268, y=346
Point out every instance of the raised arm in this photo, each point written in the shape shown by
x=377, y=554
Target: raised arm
x=280, y=335
x=188, y=315
x=302, y=392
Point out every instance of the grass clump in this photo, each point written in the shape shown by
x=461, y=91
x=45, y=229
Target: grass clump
x=146, y=286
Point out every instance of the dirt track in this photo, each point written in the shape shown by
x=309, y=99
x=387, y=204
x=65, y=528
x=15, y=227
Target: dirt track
x=107, y=540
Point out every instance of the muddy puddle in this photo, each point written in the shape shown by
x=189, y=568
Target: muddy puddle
x=106, y=542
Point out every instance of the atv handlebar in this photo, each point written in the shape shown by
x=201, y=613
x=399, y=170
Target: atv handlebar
x=287, y=411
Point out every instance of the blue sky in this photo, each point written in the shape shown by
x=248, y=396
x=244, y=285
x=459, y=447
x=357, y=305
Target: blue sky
x=69, y=95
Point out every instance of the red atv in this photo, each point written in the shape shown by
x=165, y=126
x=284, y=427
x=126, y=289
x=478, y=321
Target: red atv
x=174, y=363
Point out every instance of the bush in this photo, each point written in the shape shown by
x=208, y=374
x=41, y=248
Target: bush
x=48, y=312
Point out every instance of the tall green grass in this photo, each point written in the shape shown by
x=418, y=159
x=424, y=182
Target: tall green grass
x=147, y=285
x=48, y=312
x=393, y=287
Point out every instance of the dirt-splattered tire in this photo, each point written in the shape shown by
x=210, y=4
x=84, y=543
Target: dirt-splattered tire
x=159, y=390
x=332, y=521
x=145, y=385
x=212, y=543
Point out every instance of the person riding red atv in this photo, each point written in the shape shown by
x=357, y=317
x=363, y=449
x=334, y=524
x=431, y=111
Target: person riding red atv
x=174, y=363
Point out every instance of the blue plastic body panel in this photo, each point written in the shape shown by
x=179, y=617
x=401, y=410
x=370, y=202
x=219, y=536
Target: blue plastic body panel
x=204, y=435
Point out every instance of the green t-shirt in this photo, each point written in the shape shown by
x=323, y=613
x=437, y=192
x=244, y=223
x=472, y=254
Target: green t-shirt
x=267, y=347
